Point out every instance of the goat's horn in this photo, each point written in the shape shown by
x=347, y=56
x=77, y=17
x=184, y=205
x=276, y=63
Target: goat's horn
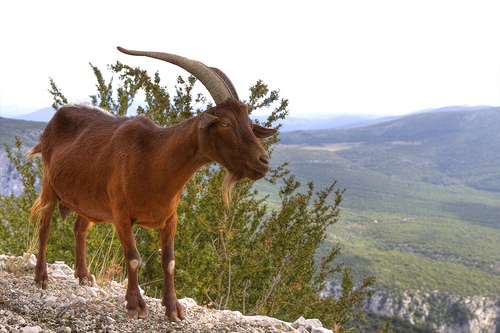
x=216, y=82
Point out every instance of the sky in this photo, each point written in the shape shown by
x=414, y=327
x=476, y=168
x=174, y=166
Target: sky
x=379, y=57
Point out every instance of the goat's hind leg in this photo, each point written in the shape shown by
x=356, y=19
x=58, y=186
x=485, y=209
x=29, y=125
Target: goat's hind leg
x=80, y=229
x=41, y=277
x=173, y=310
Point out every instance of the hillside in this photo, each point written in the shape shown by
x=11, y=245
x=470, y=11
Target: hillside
x=421, y=210
x=29, y=131
x=422, y=205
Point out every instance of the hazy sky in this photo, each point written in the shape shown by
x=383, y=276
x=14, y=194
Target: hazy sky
x=370, y=56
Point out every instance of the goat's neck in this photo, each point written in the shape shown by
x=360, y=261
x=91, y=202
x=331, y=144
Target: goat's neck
x=179, y=153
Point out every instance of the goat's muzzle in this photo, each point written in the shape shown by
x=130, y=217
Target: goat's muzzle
x=257, y=169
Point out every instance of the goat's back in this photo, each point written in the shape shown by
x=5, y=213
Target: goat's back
x=87, y=150
x=89, y=130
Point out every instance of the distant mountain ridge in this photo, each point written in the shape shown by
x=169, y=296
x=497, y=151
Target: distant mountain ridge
x=417, y=126
x=462, y=145
x=43, y=115
x=302, y=122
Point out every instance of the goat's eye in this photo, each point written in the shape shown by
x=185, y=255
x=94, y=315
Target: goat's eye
x=224, y=124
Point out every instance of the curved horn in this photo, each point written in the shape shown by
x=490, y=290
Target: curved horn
x=216, y=82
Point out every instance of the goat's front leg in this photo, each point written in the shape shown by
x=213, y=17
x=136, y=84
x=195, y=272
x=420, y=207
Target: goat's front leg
x=80, y=230
x=173, y=310
x=136, y=306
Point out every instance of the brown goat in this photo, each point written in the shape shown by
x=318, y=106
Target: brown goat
x=130, y=171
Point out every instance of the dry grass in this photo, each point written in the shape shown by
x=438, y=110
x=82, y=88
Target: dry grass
x=106, y=264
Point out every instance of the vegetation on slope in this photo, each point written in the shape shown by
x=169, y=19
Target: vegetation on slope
x=422, y=197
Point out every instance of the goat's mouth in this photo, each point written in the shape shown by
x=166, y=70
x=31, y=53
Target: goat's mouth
x=256, y=172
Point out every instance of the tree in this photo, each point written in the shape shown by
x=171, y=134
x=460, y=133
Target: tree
x=248, y=256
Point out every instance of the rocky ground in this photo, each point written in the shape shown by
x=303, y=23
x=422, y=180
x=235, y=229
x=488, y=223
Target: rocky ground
x=68, y=307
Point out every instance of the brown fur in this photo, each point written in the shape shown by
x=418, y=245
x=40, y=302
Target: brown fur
x=130, y=171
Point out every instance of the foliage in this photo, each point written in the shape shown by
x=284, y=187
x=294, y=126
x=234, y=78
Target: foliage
x=17, y=235
x=409, y=233
x=246, y=256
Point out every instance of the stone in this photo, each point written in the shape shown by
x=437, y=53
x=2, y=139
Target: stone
x=36, y=296
x=31, y=329
x=31, y=263
x=321, y=330
x=264, y=323
x=187, y=302
x=79, y=299
x=58, y=274
x=51, y=300
x=92, y=293
x=313, y=323
x=299, y=322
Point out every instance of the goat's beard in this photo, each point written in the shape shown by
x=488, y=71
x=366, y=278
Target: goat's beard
x=227, y=188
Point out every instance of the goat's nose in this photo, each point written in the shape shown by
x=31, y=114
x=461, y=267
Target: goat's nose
x=264, y=159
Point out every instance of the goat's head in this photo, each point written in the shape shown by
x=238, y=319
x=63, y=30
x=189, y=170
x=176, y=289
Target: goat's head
x=226, y=134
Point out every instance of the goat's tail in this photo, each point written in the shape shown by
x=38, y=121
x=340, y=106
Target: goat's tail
x=34, y=151
x=38, y=206
x=37, y=209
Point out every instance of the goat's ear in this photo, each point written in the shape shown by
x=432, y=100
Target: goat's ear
x=206, y=119
x=262, y=132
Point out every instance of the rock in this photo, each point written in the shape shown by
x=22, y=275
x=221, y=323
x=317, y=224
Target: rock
x=31, y=329
x=58, y=274
x=63, y=329
x=313, y=323
x=51, y=300
x=36, y=296
x=299, y=322
x=321, y=330
x=79, y=299
x=264, y=323
x=187, y=302
x=308, y=325
x=121, y=298
x=91, y=292
x=31, y=262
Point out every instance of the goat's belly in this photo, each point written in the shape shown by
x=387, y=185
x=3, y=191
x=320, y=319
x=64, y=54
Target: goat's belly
x=85, y=198
x=151, y=224
x=93, y=214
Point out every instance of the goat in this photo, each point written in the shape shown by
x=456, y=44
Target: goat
x=127, y=171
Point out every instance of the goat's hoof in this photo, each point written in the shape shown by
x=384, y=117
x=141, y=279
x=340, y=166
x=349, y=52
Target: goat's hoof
x=138, y=314
x=86, y=280
x=177, y=315
x=173, y=318
x=41, y=284
x=41, y=281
